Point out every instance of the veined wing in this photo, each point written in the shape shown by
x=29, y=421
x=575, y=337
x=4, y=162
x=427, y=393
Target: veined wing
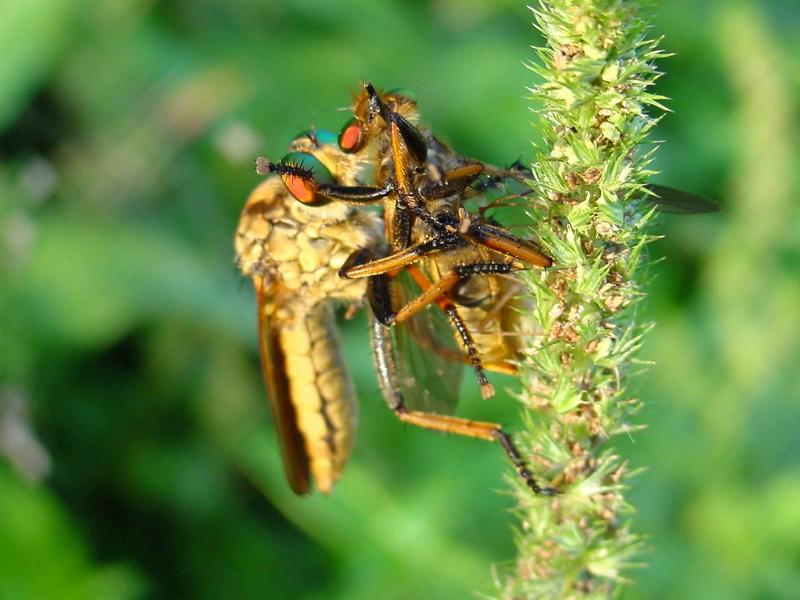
x=428, y=358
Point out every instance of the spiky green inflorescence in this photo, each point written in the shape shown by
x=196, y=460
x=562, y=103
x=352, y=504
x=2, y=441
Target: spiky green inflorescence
x=596, y=70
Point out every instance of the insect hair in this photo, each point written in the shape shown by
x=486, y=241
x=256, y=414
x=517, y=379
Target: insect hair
x=286, y=168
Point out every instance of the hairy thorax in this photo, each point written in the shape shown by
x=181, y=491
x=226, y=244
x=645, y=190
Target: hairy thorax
x=299, y=250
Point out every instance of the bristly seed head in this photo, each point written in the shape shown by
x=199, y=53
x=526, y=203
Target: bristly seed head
x=596, y=69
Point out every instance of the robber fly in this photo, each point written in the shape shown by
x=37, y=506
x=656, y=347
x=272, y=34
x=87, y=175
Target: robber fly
x=295, y=236
x=453, y=257
x=422, y=184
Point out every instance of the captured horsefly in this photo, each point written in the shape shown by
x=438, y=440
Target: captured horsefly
x=440, y=282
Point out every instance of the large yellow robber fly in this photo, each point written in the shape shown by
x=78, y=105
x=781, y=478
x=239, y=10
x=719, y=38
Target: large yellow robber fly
x=292, y=251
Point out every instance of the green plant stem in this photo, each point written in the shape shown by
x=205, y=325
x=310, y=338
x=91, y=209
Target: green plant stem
x=596, y=70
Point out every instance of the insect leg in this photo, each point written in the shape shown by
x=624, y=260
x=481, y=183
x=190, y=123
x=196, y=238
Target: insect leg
x=409, y=151
x=387, y=376
x=470, y=227
x=412, y=138
x=355, y=194
x=424, y=284
x=439, y=290
x=487, y=389
x=379, y=295
x=449, y=183
x=398, y=260
x=498, y=239
x=380, y=302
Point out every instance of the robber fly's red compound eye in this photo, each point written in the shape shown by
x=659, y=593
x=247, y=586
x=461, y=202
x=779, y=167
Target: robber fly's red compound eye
x=301, y=173
x=351, y=136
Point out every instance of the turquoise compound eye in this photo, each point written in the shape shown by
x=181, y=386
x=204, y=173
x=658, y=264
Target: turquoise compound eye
x=326, y=137
x=318, y=136
x=301, y=172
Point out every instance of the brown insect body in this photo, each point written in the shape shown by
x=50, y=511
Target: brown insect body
x=452, y=256
x=305, y=247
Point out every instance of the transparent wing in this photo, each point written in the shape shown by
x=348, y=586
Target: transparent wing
x=428, y=358
x=676, y=201
x=505, y=188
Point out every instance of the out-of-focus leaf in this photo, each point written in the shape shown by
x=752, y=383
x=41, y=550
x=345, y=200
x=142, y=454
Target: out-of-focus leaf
x=32, y=35
x=90, y=282
x=42, y=555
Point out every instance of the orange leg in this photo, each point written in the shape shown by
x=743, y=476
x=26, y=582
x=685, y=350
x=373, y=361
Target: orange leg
x=452, y=356
x=438, y=293
x=387, y=264
x=383, y=352
x=476, y=429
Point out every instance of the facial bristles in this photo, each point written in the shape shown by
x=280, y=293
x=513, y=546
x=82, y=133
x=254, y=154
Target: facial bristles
x=265, y=166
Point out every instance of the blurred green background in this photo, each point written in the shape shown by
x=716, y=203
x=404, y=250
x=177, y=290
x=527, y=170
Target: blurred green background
x=138, y=455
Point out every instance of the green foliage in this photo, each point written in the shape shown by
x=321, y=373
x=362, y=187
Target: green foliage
x=42, y=556
x=128, y=136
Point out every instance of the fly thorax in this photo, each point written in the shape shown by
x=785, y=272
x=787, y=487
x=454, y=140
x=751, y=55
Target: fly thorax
x=255, y=231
